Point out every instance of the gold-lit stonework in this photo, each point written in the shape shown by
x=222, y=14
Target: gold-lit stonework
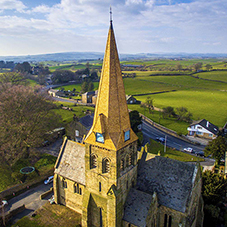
x=111, y=114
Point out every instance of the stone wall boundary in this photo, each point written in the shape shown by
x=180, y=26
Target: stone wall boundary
x=20, y=188
x=164, y=129
x=11, y=214
x=45, y=194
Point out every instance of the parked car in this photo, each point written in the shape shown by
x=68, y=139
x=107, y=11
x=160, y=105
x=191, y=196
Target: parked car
x=49, y=180
x=188, y=149
x=160, y=139
x=200, y=153
x=4, y=203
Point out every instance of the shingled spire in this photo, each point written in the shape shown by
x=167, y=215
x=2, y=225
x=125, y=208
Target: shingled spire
x=111, y=119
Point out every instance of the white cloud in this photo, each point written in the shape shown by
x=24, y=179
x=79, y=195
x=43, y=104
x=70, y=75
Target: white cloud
x=141, y=26
x=12, y=5
x=41, y=9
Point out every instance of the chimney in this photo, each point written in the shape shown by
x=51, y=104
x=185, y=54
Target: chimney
x=208, y=124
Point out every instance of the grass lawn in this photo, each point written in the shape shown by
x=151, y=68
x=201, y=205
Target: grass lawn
x=155, y=147
x=32, y=83
x=10, y=176
x=5, y=176
x=77, y=87
x=51, y=216
x=179, y=126
x=67, y=116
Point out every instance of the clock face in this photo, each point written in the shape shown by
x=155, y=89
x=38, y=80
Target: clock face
x=127, y=135
x=99, y=137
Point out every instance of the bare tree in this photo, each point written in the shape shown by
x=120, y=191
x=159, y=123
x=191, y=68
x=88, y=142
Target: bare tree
x=25, y=116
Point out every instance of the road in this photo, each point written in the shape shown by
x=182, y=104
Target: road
x=171, y=141
x=151, y=132
x=31, y=200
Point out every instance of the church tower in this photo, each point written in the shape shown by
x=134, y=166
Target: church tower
x=111, y=147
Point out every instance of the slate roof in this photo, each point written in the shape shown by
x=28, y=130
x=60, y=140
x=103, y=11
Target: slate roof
x=207, y=125
x=71, y=161
x=87, y=121
x=136, y=207
x=89, y=93
x=172, y=181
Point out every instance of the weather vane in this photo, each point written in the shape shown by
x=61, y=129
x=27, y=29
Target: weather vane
x=111, y=14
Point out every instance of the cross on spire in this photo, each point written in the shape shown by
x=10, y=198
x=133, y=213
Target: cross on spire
x=111, y=15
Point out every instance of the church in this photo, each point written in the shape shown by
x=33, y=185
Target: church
x=109, y=182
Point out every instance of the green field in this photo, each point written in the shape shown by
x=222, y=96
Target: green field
x=202, y=104
x=214, y=75
x=67, y=116
x=203, y=94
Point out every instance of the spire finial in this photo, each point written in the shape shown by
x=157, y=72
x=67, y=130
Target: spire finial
x=111, y=15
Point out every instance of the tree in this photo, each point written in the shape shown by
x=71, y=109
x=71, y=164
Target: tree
x=216, y=148
x=213, y=187
x=179, y=67
x=198, y=66
x=208, y=67
x=183, y=114
x=149, y=103
x=168, y=111
x=12, y=78
x=25, y=67
x=90, y=86
x=94, y=75
x=135, y=120
x=62, y=76
x=84, y=87
x=25, y=117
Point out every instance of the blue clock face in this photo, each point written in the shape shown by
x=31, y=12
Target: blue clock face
x=99, y=137
x=127, y=135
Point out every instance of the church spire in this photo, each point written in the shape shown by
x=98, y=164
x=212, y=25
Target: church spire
x=111, y=126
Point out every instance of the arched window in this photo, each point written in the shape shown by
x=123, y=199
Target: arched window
x=130, y=159
x=100, y=186
x=75, y=188
x=93, y=161
x=127, y=161
x=122, y=164
x=64, y=183
x=106, y=165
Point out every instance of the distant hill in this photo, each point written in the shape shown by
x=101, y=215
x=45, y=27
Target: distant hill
x=79, y=56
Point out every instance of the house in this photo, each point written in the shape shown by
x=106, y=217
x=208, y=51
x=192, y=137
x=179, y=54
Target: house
x=83, y=126
x=87, y=97
x=204, y=129
x=53, y=92
x=112, y=184
x=131, y=100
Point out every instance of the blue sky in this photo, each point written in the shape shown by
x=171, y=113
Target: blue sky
x=141, y=26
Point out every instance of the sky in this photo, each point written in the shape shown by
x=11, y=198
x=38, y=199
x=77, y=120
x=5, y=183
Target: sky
x=29, y=27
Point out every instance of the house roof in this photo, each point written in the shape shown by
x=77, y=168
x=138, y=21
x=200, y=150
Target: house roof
x=172, y=180
x=207, y=125
x=71, y=161
x=129, y=96
x=111, y=112
x=89, y=93
x=136, y=207
x=87, y=121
